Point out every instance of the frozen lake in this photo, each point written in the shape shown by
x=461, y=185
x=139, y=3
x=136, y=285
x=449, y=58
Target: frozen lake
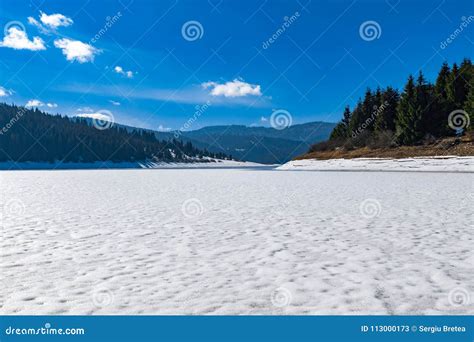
x=236, y=242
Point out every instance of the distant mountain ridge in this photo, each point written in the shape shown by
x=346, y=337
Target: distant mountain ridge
x=264, y=145
x=257, y=144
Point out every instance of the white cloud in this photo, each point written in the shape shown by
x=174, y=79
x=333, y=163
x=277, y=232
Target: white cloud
x=263, y=119
x=55, y=20
x=4, y=92
x=96, y=116
x=41, y=28
x=75, y=50
x=34, y=103
x=115, y=103
x=119, y=70
x=85, y=110
x=17, y=39
x=235, y=88
x=161, y=128
x=52, y=105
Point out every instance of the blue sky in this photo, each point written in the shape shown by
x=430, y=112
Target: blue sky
x=152, y=63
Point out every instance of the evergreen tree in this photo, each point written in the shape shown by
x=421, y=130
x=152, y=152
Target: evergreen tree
x=369, y=107
x=456, y=90
x=469, y=104
x=424, y=96
x=341, y=131
x=466, y=73
x=346, y=117
x=386, y=118
x=408, y=115
x=357, y=119
x=442, y=103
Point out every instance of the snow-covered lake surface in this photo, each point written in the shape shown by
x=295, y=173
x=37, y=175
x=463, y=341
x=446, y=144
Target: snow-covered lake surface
x=233, y=241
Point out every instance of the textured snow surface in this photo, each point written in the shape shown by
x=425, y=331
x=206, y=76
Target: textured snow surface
x=236, y=242
x=433, y=164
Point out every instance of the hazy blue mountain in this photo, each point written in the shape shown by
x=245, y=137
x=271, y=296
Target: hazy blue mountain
x=257, y=144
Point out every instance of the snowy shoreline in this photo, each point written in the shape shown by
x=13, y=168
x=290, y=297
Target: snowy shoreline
x=415, y=164
x=218, y=164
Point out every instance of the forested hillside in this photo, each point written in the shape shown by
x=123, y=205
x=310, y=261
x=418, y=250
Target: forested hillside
x=421, y=114
x=34, y=136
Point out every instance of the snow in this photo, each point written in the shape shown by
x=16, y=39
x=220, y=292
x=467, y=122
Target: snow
x=426, y=164
x=236, y=241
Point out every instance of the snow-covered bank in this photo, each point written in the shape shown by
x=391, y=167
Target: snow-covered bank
x=217, y=163
x=426, y=164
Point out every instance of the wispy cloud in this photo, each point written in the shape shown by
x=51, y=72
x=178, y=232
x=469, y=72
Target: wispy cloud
x=96, y=116
x=188, y=95
x=85, y=110
x=4, y=92
x=161, y=128
x=115, y=103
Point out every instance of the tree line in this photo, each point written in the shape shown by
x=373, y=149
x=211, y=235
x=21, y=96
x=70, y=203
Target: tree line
x=420, y=113
x=34, y=136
